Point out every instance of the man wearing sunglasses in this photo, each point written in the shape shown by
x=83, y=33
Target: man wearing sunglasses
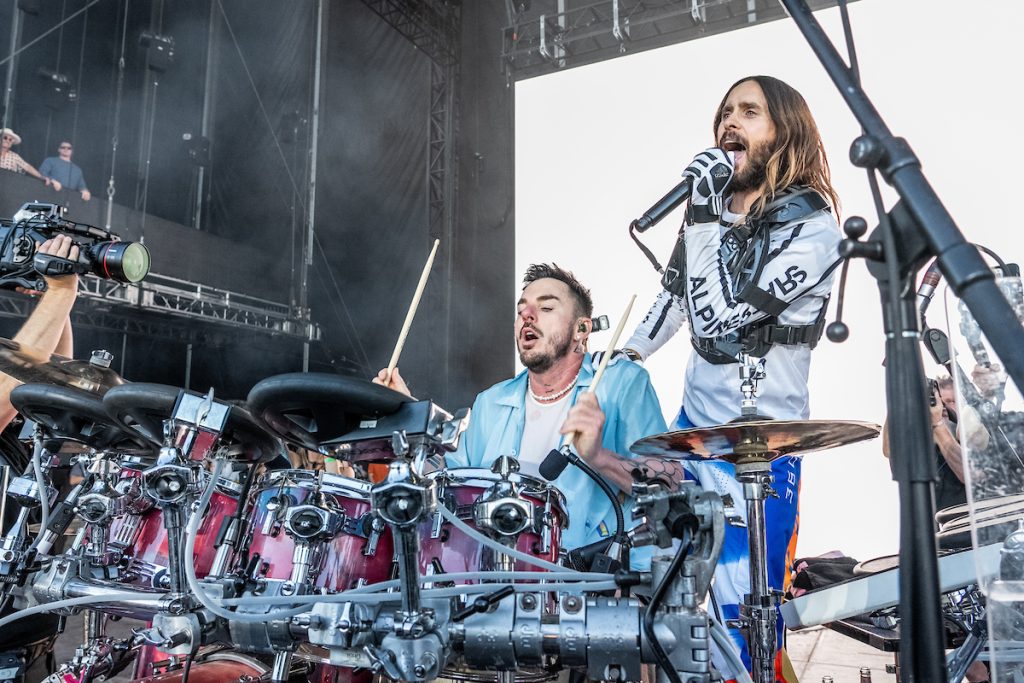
x=63, y=172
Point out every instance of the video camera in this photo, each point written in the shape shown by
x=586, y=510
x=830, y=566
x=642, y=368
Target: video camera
x=101, y=252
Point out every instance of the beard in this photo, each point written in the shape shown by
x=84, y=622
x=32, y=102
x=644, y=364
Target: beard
x=542, y=361
x=752, y=175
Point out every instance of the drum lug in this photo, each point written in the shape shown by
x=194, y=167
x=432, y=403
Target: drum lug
x=376, y=529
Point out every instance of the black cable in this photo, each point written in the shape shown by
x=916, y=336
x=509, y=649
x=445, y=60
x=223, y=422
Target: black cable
x=656, y=599
x=186, y=669
x=620, y=520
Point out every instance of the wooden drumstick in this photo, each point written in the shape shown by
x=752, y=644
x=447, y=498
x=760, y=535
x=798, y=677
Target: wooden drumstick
x=604, y=360
x=411, y=314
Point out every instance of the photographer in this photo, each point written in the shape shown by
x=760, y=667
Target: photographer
x=48, y=328
x=948, y=431
x=48, y=331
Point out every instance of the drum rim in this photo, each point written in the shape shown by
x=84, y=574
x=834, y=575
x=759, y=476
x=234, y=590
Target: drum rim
x=465, y=476
x=307, y=478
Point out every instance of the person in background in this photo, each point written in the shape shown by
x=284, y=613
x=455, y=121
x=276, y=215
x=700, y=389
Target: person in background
x=61, y=170
x=12, y=161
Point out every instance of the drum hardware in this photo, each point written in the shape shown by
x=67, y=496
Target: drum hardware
x=198, y=423
x=751, y=373
x=751, y=445
x=758, y=611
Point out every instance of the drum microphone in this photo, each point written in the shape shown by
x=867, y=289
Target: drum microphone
x=553, y=465
x=664, y=206
x=926, y=291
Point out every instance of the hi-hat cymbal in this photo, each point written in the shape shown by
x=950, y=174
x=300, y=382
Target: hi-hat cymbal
x=755, y=441
x=32, y=366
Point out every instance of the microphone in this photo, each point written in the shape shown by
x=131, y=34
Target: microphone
x=553, y=465
x=664, y=206
x=926, y=291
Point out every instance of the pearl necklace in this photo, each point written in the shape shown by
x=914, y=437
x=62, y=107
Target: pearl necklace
x=552, y=397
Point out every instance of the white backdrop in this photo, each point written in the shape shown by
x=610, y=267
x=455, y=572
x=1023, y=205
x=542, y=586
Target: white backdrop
x=597, y=145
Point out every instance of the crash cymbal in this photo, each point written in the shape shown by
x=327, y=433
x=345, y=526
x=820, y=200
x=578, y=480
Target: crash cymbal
x=32, y=366
x=755, y=441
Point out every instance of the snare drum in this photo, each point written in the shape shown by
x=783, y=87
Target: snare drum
x=358, y=553
x=140, y=536
x=539, y=509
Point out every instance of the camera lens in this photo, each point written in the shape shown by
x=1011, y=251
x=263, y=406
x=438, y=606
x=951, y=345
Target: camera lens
x=121, y=261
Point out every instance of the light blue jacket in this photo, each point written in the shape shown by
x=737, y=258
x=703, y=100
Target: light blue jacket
x=631, y=411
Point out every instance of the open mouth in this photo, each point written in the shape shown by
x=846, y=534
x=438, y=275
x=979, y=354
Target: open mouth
x=735, y=148
x=529, y=334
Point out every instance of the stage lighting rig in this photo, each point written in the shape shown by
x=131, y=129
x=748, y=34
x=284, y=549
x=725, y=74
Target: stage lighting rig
x=59, y=89
x=159, y=51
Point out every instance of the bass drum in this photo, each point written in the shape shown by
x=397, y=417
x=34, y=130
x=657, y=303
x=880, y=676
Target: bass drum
x=221, y=667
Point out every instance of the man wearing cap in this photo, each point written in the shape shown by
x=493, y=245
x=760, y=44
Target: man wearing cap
x=61, y=170
x=12, y=161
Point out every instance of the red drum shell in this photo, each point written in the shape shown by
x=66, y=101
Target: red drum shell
x=226, y=667
x=343, y=562
x=147, y=547
x=454, y=551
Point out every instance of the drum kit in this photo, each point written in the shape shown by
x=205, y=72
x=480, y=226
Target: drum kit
x=189, y=518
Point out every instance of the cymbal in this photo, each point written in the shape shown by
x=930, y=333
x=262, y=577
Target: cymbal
x=755, y=441
x=32, y=366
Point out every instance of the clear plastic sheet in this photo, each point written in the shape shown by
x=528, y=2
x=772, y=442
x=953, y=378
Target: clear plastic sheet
x=990, y=428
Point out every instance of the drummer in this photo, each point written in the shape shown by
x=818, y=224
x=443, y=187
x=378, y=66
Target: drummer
x=752, y=269
x=529, y=415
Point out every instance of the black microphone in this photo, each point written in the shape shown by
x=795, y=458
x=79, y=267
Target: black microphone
x=553, y=465
x=676, y=196
x=927, y=289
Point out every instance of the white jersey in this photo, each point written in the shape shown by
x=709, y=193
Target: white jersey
x=798, y=270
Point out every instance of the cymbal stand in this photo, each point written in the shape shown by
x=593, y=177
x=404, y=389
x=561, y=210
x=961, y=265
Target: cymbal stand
x=414, y=651
x=758, y=611
x=751, y=373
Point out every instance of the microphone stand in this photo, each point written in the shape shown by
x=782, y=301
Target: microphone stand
x=933, y=232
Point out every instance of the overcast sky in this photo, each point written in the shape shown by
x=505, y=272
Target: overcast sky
x=597, y=145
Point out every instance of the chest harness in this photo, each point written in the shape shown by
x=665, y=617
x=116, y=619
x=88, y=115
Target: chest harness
x=750, y=243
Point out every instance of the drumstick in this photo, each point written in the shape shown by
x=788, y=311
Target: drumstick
x=604, y=359
x=411, y=314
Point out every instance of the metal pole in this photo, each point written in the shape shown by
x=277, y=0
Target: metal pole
x=188, y=366
x=12, y=63
x=204, y=129
x=307, y=259
x=124, y=350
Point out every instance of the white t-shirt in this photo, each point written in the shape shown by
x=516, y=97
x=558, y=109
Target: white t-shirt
x=540, y=431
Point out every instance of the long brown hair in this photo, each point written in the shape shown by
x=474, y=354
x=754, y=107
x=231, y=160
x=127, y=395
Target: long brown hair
x=797, y=154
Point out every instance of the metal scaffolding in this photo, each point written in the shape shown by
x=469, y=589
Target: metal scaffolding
x=169, y=308
x=549, y=36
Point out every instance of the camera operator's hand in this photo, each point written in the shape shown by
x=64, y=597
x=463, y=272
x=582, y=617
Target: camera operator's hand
x=61, y=247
